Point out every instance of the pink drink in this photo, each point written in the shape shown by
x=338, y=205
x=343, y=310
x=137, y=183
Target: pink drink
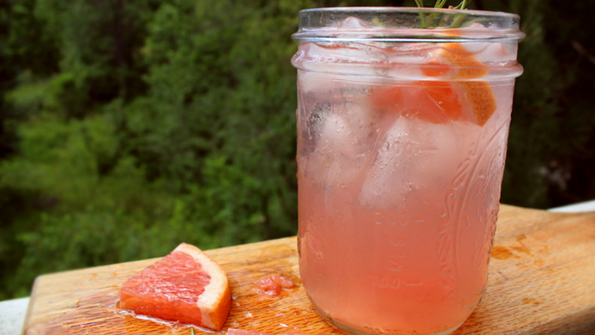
x=399, y=179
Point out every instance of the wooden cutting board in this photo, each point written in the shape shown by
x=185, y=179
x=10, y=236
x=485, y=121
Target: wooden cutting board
x=542, y=281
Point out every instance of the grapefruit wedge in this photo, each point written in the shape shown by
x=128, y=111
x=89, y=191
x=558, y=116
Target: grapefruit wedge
x=186, y=286
x=478, y=93
x=441, y=101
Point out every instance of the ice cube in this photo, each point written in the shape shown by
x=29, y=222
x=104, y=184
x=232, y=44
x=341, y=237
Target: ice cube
x=312, y=82
x=315, y=121
x=438, y=154
x=337, y=57
x=342, y=146
x=413, y=158
x=490, y=52
x=497, y=53
x=311, y=124
x=353, y=23
x=385, y=181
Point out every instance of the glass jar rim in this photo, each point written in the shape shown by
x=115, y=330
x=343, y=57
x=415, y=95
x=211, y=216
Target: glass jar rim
x=407, y=24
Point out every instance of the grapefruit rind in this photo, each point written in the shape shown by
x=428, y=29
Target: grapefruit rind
x=479, y=93
x=215, y=301
x=469, y=67
x=482, y=100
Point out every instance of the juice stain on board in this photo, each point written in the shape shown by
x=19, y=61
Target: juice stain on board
x=97, y=313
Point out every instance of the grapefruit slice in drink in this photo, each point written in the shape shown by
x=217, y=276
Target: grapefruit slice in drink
x=186, y=286
x=431, y=101
x=478, y=93
x=440, y=101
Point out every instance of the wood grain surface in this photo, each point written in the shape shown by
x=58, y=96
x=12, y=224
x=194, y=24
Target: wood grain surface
x=542, y=281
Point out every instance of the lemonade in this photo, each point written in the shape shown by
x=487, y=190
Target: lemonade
x=402, y=138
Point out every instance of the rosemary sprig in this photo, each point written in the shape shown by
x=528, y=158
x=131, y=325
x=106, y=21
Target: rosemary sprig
x=440, y=3
x=462, y=5
x=427, y=20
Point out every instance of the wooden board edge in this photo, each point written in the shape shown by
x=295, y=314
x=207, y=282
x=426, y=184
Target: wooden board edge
x=216, y=254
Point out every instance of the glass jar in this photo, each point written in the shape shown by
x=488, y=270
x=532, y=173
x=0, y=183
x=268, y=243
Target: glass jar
x=402, y=124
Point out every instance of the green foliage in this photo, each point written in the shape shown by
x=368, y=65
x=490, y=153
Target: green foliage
x=549, y=159
x=127, y=127
x=74, y=215
x=203, y=152
x=534, y=115
x=234, y=95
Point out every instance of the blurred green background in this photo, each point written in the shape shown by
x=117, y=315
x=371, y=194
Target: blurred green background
x=127, y=127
